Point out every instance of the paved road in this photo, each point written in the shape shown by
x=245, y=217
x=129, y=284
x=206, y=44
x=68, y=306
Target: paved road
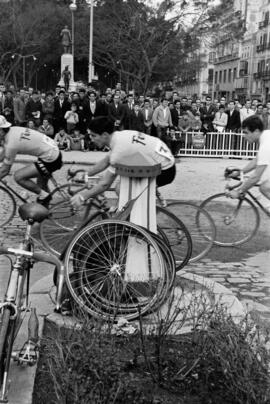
x=244, y=269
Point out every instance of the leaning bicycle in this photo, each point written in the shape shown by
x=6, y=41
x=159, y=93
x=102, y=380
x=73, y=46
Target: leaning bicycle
x=15, y=304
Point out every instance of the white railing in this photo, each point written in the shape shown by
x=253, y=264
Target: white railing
x=217, y=144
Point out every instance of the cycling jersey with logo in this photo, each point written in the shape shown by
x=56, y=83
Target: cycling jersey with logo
x=128, y=142
x=28, y=141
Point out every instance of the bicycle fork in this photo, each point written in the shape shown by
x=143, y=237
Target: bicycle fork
x=9, y=303
x=230, y=218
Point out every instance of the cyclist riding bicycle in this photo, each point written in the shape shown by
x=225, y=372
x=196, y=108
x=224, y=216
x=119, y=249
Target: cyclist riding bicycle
x=124, y=144
x=252, y=128
x=18, y=140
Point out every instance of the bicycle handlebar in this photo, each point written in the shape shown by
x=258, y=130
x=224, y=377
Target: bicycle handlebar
x=36, y=256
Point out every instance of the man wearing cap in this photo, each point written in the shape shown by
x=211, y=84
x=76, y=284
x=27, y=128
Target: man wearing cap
x=18, y=140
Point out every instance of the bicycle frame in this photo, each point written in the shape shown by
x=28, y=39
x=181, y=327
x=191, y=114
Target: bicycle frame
x=14, y=296
x=5, y=184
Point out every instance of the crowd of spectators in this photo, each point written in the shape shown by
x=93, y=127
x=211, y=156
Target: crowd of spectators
x=65, y=116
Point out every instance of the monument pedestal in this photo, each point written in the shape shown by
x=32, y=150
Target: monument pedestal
x=67, y=60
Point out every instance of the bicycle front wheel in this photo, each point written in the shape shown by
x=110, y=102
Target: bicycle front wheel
x=200, y=225
x=7, y=206
x=4, y=339
x=236, y=221
x=103, y=277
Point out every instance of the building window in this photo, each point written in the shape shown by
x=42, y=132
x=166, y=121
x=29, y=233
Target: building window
x=234, y=73
x=224, y=76
x=220, y=76
x=216, y=77
x=229, y=75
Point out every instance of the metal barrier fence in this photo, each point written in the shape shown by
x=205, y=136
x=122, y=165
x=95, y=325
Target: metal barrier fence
x=212, y=144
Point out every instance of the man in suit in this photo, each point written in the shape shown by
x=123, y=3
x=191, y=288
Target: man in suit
x=208, y=112
x=147, y=113
x=116, y=112
x=61, y=106
x=136, y=120
x=176, y=113
x=233, y=124
x=128, y=110
x=19, y=109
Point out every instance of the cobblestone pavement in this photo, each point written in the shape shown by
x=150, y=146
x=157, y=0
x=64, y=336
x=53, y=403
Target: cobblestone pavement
x=245, y=269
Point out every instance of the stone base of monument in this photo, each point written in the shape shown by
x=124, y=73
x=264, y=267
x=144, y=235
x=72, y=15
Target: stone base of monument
x=192, y=297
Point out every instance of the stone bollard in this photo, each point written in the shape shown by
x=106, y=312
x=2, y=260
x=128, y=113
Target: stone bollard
x=138, y=179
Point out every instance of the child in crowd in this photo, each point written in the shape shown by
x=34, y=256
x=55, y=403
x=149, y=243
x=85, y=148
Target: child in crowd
x=72, y=118
x=62, y=140
x=76, y=140
x=31, y=124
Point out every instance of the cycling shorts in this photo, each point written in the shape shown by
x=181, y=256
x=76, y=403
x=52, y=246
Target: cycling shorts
x=46, y=168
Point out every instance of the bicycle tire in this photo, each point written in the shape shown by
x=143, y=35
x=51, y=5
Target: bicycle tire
x=55, y=238
x=200, y=225
x=4, y=336
x=7, y=206
x=232, y=231
x=96, y=290
x=177, y=235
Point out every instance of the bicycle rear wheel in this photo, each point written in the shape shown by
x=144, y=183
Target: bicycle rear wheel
x=97, y=273
x=200, y=225
x=55, y=237
x=176, y=235
x=7, y=206
x=236, y=221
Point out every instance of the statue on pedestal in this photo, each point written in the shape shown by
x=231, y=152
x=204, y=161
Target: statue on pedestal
x=66, y=39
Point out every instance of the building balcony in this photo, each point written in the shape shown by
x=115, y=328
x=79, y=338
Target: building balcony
x=257, y=75
x=261, y=47
x=263, y=24
x=265, y=75
x=243, y=72
x=227, y=58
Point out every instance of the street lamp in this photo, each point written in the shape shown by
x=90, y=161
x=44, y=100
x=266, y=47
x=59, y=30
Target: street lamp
x=91, y=19
x=73, y=8
x=23, y=57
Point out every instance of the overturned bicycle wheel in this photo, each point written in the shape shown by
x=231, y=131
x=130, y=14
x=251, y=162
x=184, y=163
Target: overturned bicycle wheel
x=116, y=269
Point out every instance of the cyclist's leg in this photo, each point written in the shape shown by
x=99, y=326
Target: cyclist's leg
x=42, y=182
x=265, y=189
x=24, y=177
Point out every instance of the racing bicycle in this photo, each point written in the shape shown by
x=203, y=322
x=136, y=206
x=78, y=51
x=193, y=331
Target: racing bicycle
x=15, y=305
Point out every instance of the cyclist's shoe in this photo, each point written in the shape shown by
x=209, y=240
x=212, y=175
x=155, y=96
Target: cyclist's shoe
x=66, y=307
x=45, y=201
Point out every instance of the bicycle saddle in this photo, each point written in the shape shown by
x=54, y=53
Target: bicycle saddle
x=33, y=211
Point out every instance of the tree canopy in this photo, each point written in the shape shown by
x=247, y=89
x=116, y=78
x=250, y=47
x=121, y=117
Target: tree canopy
x=133, y=39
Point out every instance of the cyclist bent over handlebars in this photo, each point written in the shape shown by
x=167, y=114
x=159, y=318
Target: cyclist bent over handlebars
x=252, y=128
x=123, y=145
x=18, y=140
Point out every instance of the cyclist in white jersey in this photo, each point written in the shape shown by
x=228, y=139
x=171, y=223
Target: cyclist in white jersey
x=124, y=144
x=18, y=140
x=252, y=128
